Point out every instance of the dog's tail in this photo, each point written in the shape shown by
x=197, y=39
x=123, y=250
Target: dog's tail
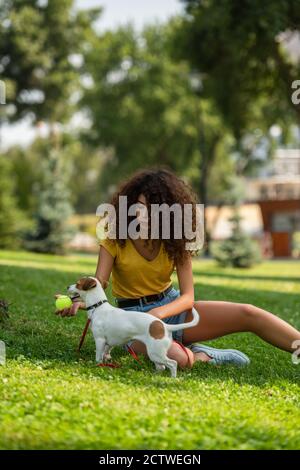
x=182, y=326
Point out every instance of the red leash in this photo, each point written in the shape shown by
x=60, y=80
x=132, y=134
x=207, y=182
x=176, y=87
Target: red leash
x=108, y=364
x=83, y=335
x=133, y=354
x=130, y=350
x=184, y=349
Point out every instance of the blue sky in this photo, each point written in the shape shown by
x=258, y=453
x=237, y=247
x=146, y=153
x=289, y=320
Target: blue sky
x=116, y=13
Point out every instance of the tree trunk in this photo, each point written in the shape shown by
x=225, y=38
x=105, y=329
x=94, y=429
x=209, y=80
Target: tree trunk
x=208, y=156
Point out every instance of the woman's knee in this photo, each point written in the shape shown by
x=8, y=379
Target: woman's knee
x=138, y=347
x=183, y=357
x=249, y=314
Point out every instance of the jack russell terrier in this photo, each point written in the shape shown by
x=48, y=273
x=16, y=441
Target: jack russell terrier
x=112, y=326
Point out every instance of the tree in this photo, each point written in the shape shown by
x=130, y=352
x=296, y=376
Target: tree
x=11, y=220
x=214, y=143
x=42, y=49
x=140, y=103
x=239, y=48
x=238, y=250
x=53, y=210
x=144, y=108
x=26, y=168
x=40, y=42
x=84, y=165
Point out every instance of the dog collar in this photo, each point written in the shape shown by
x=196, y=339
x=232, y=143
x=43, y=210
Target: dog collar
x=96, y=305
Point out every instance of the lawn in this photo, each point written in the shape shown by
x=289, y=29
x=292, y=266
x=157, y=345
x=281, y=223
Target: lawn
x=51, y=398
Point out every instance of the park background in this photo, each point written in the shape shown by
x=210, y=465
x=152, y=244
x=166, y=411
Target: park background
x=207, y=89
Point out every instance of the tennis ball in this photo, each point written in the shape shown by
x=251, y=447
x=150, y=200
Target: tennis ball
x=63, y=301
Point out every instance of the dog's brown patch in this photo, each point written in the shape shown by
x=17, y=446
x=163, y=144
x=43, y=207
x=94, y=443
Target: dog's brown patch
x=86, y=283
x=156, y=329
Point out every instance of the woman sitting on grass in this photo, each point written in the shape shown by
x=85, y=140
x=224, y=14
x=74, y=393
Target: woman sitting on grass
x=141, y=280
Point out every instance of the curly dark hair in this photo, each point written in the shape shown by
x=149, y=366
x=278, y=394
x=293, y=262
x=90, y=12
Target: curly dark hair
x=159, y=185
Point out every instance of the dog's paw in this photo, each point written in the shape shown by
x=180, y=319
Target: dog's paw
x=106, y=358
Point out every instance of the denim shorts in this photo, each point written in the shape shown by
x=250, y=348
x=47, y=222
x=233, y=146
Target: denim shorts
x=174, y=320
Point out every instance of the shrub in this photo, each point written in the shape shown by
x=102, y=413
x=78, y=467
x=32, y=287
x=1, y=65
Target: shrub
x=239, y=250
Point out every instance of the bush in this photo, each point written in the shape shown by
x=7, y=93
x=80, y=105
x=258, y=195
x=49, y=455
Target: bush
x=238, y=250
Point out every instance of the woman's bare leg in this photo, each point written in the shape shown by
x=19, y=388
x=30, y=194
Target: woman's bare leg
x=174, y=352
x=219, y=318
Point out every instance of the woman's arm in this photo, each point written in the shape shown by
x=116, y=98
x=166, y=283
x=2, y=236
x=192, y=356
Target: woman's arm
x=104, y=266
x=186, y=287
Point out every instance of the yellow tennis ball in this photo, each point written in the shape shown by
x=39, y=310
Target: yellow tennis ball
x=63, y=301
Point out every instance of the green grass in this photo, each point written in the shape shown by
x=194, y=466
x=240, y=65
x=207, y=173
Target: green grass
x=50, y=398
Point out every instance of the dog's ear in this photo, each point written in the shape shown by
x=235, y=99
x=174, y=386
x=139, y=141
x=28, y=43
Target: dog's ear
x=86, y=283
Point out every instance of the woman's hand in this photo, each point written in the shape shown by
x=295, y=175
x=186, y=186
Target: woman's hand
x=69, y=312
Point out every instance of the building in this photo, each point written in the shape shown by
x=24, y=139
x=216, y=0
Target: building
x=277, y=192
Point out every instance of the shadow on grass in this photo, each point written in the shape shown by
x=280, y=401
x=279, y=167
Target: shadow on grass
x=34, y=332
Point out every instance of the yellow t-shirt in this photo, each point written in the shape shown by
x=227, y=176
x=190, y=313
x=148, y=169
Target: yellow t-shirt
x=132, y=275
